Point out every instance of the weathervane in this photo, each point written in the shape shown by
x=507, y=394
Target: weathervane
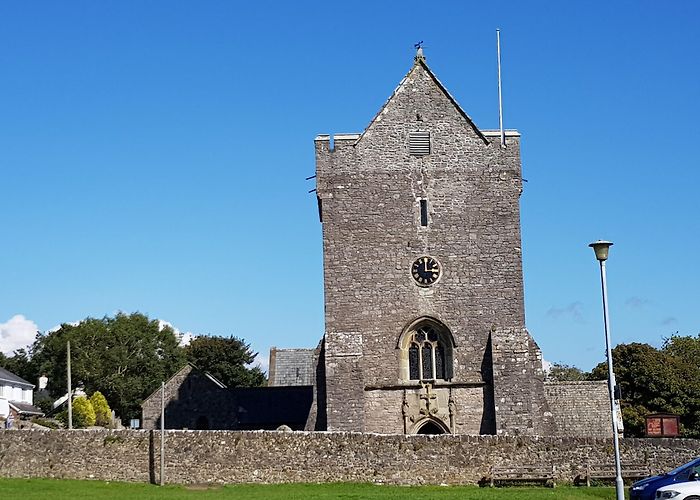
x=419, y=51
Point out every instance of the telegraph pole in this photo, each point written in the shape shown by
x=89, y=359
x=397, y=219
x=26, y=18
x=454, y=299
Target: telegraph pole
x=70, y=390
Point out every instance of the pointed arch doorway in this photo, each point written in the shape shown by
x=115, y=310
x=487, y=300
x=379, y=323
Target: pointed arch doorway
x=430, y=426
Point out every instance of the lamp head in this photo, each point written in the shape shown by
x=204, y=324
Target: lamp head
x=601, y=248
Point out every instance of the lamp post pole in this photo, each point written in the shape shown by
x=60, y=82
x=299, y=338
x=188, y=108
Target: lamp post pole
x=601, y=249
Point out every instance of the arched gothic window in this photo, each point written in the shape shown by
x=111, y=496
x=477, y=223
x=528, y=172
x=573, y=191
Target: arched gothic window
x=426, y=352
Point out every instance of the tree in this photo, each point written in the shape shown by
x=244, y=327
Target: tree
x=226, y=359
x=656, y=380
x=124, y=357
x=565, y=373
x=20, y=363
x=103, y=414
x=686, y=349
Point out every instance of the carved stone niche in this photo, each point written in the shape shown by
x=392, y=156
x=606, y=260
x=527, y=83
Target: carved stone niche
x=427, y=410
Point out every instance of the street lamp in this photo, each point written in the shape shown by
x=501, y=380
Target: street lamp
x=601, y=249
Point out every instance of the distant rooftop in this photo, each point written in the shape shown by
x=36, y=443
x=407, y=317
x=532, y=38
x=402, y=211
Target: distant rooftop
x=7, y=376
x=291, y=367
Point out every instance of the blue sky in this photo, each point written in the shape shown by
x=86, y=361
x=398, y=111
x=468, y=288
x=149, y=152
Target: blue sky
x=153, y=156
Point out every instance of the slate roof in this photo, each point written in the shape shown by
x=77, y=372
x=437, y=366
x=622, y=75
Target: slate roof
x=25, y=408
x=291, y=367
x=7, y=376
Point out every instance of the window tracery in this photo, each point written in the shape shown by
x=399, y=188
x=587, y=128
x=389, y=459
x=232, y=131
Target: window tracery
x=428, y=353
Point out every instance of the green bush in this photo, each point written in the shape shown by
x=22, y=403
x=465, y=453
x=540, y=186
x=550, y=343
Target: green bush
x=83, y=412
x=103, y=414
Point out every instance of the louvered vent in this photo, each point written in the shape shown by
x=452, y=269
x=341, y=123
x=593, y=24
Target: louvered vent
x=419, y=143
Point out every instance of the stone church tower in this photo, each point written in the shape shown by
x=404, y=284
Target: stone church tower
x=425, y=325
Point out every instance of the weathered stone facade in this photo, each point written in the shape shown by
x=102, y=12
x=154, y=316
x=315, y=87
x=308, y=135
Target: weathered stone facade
x=384, y=203
x=283, y=457
x=580, y=408
x=193, y=400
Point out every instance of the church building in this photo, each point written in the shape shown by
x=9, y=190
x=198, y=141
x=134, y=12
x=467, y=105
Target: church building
x=423, y=282
x=423, y=289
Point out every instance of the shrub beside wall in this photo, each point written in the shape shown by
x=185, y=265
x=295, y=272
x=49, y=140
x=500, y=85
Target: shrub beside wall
x=103, y=414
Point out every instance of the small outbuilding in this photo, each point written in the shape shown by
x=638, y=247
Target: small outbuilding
x=195, y=399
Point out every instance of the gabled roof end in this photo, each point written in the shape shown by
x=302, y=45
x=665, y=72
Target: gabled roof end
x=419, y=60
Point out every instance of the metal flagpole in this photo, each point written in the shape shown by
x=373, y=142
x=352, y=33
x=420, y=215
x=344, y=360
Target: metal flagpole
x=70, y=390
x=500, y=97
x=162, y=433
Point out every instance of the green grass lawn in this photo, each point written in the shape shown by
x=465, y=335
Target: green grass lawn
x=54, y=489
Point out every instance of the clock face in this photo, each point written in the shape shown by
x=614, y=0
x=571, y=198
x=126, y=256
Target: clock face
x=425, y=270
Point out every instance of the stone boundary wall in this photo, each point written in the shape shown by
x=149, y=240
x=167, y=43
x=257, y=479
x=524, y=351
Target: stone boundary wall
x=279, y=457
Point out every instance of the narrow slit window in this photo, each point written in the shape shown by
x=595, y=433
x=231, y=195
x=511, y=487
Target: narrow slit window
x=423, y=212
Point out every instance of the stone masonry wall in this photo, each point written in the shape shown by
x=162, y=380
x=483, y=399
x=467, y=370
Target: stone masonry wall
x=521, y=407
x=580, y=408
x=279, y=457
x=192, y=401
x=371, y=188
x=109, y=455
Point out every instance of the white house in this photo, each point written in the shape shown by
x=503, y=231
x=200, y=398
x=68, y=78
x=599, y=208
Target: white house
x=16, y=396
